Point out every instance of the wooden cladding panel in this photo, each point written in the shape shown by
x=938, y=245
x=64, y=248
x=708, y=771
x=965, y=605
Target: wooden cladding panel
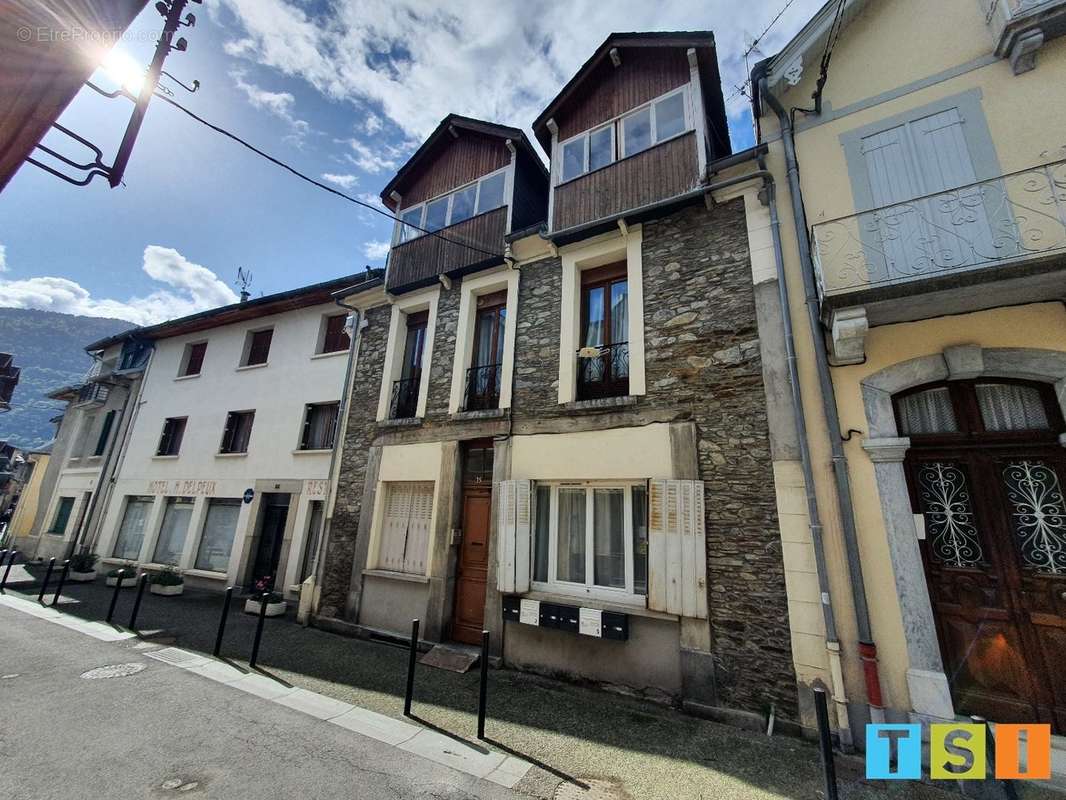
x=419, y=261
x=646, y=73
x=659, y=173
x=459, y=162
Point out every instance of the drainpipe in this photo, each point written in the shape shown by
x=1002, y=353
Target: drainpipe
x=867, y=648
x=814, y=520
x=342, y=423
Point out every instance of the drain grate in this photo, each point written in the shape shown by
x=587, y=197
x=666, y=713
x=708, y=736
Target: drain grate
x=175, y=656
x=113, y=671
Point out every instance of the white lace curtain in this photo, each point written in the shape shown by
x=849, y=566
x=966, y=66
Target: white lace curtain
x=1009, y=407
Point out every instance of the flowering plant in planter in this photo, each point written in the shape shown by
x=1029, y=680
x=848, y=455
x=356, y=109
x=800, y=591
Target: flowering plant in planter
x=275, y=603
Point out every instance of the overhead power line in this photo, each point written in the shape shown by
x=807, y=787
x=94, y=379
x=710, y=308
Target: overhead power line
x=319, y=184
x=766, y=30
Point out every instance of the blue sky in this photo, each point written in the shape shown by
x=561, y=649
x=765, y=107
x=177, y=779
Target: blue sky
x=343, y=90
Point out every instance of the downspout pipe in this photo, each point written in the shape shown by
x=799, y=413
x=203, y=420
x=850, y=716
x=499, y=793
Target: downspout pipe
x=338, y=441
x=867, y=648
x=814, y=518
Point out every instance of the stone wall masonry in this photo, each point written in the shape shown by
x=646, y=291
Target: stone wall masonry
x=703, y=364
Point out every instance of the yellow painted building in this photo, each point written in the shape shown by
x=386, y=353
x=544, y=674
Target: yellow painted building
x=29, y=498
x=919, y=169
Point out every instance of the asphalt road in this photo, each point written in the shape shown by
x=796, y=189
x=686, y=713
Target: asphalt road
x=163, y=732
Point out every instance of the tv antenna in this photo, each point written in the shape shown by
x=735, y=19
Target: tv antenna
x=244, y=280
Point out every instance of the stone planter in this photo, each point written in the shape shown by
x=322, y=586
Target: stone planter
x=166, y=590
x=81, y=577
x=272, y=610
x=128, y=580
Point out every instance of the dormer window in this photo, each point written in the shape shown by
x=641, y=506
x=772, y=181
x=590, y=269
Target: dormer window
x=485, y=194
x=662, y=119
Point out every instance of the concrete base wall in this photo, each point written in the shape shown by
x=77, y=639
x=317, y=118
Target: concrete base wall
x=390, y=605
x=649, y=659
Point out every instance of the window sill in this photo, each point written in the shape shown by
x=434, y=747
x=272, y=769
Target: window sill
x=187, y=377
x=316, y=452
x=638, y=609
x=231, y=455
x=403, y=422
x=205, y=573
x=120, y=561
x=601, y=403
x=396, y=576
x=332, y=354
x=164, y=458
x=244, y=367
x=486, y=413
x=95, y=458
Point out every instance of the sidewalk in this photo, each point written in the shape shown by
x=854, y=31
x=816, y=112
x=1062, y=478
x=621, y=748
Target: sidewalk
x=583, y=742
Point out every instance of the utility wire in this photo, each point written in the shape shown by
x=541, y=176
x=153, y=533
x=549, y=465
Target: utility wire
x=319, y=184
x=758, y=38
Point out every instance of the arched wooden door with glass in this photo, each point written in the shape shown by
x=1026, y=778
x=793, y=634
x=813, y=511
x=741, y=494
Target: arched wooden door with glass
x=603, y=360
x=986, y=470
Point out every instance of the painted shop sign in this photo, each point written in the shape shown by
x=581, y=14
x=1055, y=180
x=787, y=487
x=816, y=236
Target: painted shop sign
x=186, y=488
x=316, y=489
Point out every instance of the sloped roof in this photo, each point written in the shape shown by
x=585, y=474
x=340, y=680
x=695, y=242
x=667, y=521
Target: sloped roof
x=423, y=155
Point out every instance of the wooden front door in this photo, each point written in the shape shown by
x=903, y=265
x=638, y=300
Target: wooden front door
x=468, y=619
x=271, y=536
x=990, y=489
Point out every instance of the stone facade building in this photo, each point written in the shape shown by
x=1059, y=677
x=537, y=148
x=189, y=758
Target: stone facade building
x=559, y=427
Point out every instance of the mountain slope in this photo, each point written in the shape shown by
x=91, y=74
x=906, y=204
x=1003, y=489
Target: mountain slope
x=50, y=349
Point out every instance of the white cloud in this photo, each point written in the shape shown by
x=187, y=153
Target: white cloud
x=372, y=200
x=370, y=161
x=3, y=258
x=418, y=60
x=376, y=251
x=280, y=104
x=192, y=288
x=343, y=181
x=372, y=124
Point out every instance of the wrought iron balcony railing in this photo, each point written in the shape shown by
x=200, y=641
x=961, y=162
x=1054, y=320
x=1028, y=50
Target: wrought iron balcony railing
x=93, y=394
x=1014, y=218
x=483, y=387
x=603, y=374
x=404, y=401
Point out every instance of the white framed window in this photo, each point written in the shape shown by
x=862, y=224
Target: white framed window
x=171, y=540
x=216, y=540
x=131, y=530
x=484, y=194
x=408, y=356
x=590, y=538
x=406, y=521
x=657, y=121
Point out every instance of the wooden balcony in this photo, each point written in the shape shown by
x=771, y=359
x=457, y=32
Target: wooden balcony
x=419, y=261
x=658, y=173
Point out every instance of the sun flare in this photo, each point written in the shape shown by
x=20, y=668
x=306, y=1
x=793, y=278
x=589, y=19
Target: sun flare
x=124, y=70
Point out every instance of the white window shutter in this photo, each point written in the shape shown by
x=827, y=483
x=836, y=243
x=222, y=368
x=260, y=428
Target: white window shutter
x=677, y=560
x=513, y=530
x=418, y=527
x=394, y=527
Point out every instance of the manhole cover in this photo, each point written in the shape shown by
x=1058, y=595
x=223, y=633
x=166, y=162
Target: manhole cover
x=592, y=789
x=113, y=671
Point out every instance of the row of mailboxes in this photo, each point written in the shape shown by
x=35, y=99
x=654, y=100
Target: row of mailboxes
x=584, y=621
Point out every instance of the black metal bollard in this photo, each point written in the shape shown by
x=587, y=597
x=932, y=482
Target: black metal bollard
x=62, y=583
x=114, y=595
x=47, y=577
x=1009, y=790
x=141, y=583
x=11, y=556
x=483, y=690
x=222, y=621
x=411, y=669
x=825, y=744
x=259, y=629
